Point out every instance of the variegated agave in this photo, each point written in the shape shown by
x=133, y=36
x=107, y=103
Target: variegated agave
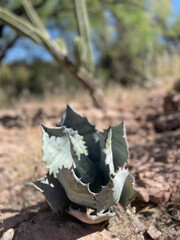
x=87, y=171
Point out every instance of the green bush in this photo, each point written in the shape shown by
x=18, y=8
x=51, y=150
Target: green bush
x=37, y=79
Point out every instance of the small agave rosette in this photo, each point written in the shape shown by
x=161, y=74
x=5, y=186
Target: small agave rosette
x=86, y=168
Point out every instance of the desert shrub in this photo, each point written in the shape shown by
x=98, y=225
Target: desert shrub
x=38, y=79
x=13, y=81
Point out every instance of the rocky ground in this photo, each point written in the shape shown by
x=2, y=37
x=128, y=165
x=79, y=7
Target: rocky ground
x=153, y=131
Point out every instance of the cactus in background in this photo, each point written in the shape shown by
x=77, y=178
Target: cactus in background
x=35, y=30
x=80, y=52
x=33, y=16
x=84, y=40
x=87, y=171
x=62, y=46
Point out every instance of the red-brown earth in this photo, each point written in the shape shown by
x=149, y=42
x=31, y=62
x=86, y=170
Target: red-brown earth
x=153, y=131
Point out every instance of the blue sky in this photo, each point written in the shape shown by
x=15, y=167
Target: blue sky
x=176, y=7
x=17, y=53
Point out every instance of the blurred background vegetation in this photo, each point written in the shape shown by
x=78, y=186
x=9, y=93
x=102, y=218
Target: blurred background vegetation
x=135, y=43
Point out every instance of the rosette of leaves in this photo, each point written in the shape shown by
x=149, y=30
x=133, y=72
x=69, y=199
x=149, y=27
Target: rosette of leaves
x=87, y=171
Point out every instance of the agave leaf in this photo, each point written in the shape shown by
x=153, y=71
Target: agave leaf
x=119, y=146
x=76, y=190
x=85, y=168
x=108, y=152
x=91, y=219
x=53, y=191
x=111, y=193
x=71, y=119
x=128, y=192
x=79, y=142
x=56, y=148
x=106, y=162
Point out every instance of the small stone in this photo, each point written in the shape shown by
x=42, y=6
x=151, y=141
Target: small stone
x=156, y=196
x=140, y=226
x=8, y=235
x=153, y=232
x=144, y=195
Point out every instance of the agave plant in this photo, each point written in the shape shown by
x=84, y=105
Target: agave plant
x=87, y=169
